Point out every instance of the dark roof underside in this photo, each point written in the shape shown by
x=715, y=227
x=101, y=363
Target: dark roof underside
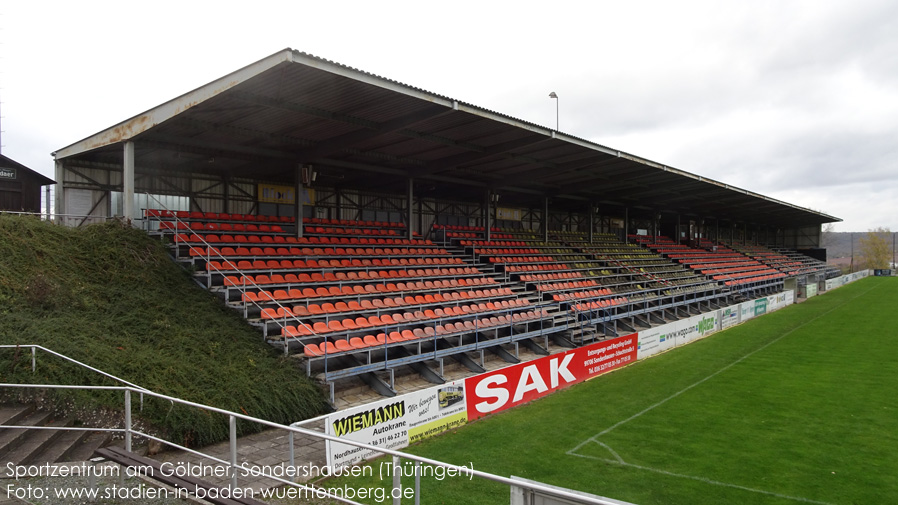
x=363, y=131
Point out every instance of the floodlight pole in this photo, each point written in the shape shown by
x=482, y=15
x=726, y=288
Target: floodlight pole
x=555, y=96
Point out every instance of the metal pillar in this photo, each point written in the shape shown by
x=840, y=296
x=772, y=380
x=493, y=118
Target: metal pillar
x=626, y=223
x=545, y=219
x=410, y=208
x=487, y=218
x=297, y=205
x=128, y=182
x=592, y=213
x=47, y=199
x=60, y=191
x=678, y=229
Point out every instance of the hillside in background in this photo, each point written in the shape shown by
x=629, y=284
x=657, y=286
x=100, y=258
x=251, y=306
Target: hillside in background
x=108, y=295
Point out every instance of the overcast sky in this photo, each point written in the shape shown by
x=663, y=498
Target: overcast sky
x=794, y=100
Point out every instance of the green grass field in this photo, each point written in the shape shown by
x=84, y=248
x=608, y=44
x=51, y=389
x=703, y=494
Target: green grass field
x=798, y=406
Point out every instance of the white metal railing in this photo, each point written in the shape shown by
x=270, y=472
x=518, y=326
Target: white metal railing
x=129, y=432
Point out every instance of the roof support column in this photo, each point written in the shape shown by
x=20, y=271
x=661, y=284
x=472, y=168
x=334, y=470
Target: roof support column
x=545, y=219
x=678, y=229
x=226, y=182
x=626, y=224
x=128, y=182
x=410, y=209
x=717, y=230
x=592, y=214
x=487, y=215
x=297, y=205
x=60, y=192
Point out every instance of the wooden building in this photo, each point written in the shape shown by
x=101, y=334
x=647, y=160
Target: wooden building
x=20, y=187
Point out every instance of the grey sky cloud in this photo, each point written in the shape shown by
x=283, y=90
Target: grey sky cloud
x=794, y=99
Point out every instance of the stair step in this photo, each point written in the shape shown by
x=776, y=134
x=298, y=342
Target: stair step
x=10, y=414
x=62, y=444
x=35, y=441
x=84, y=450
x=11, y=439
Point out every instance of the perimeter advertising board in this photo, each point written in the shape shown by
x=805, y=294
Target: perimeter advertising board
x=667, y=336
x=811, y=290
x=517, y=384
x=395, y=422
x=729, y=316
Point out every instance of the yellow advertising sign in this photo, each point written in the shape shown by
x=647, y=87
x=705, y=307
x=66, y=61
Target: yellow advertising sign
x=508, y=214
x=272, y=193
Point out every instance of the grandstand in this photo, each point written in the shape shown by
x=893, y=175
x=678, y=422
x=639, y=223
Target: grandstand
x=399, y=256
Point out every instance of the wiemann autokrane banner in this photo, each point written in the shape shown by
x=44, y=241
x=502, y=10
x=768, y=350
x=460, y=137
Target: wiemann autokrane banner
x=396, y=422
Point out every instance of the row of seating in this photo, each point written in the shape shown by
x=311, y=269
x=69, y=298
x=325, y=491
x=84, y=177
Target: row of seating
x=600, y=304
x=363, y=305
x=399, y=318
x=550, y=277
x=351, y=290
x=291, y=240
x=352, y=344
x=223, y=216
x=593, y=293
x=205, y=226
x=521, y=259
x=561, y=286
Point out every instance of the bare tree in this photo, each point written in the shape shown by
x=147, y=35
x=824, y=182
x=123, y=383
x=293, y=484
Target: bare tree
x=874, y=248
x=827, y=235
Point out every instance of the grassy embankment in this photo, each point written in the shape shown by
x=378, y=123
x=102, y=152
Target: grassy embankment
x=109, y=296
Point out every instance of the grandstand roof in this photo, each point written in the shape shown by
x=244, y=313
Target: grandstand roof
x=365, y=131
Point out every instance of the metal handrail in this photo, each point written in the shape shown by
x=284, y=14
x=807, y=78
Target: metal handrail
x=234, y=416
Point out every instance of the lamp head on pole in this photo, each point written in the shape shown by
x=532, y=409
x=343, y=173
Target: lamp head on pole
x=555, y=96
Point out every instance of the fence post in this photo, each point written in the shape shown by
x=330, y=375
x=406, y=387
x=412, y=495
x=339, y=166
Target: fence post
x=417, y=483
x=397, y=481
x=233, y=425
x=128, y=420
x=292, y=453
x=33, y=359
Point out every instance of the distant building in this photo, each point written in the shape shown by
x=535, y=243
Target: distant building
x=20, y=187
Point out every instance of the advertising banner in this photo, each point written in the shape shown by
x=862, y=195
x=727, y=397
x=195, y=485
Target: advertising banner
x=655, y=340
x=395, y=422
x=811, y=289
x=508, y=214
x=746, y=311
x=286, y=195
x=696, y=327
x=514, y=385
x=729, y=316
x=760, y=307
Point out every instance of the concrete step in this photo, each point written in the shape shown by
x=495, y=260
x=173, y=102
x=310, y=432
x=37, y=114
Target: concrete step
x=10, y=439
x=38, y=446
x=34, y=442
x=63, y=443
x=84, y=449
x=10, y=414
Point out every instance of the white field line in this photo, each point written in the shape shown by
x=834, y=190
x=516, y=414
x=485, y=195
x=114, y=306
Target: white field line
x=620, y=461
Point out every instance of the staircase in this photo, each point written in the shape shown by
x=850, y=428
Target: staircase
x=35, y=447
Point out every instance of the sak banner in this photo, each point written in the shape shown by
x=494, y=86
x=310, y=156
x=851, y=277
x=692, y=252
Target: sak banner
x=517, y=384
